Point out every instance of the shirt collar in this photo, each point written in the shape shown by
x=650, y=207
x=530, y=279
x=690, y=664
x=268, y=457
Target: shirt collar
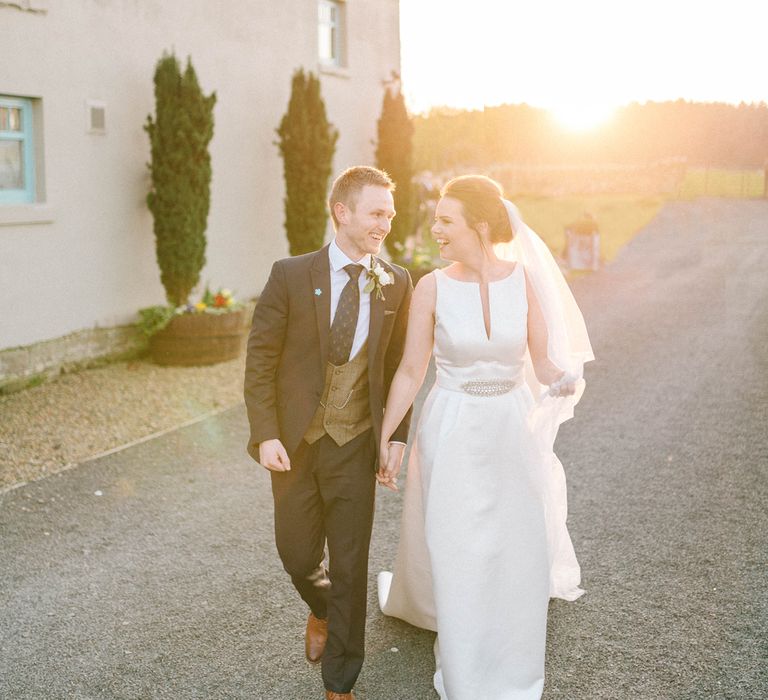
x=339, y=259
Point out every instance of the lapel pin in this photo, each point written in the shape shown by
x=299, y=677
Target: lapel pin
x=318, y=292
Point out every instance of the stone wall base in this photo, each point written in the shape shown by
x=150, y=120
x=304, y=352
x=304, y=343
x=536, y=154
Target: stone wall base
x=34, y=364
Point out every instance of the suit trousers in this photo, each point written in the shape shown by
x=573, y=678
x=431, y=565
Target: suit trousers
x=328, y=496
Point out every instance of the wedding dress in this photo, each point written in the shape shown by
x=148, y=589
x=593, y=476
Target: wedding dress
x=483, y=541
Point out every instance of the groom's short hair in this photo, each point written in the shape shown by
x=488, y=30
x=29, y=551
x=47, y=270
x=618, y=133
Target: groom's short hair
x=350, y=183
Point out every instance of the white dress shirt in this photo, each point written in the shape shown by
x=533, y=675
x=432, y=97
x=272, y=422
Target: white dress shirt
x=339, y=278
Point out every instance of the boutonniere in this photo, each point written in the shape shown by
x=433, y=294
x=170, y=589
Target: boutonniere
x=378, y=277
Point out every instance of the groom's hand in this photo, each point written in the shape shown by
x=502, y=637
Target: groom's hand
x=273, y=456
x=390, y=459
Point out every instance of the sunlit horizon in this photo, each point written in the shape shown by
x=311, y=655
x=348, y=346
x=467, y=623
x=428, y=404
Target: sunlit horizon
x=582, y=117
x=580, y=61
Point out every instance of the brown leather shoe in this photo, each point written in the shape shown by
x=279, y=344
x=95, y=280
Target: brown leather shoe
x=330, y=695
x=314, y=641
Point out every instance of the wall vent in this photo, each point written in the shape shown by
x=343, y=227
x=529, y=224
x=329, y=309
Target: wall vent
x=96, y=117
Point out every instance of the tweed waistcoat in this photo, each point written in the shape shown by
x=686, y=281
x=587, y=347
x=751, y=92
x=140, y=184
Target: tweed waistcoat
x=344, y=411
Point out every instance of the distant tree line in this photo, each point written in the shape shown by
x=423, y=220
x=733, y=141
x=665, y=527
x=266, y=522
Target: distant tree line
x=704, y=134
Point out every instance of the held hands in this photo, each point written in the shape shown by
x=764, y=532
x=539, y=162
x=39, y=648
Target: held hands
x=390, y=459
x=273, y=456
x=565, y=385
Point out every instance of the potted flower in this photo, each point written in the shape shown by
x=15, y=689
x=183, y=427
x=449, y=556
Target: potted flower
x=206, y=332
x=181, y=332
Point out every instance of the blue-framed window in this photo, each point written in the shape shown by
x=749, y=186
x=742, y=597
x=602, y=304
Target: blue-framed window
x=17, y=154
x=331, y=32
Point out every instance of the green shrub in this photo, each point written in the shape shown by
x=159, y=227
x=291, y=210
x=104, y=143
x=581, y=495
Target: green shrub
x=394, y=154
x=180, y=170
x=307, y=144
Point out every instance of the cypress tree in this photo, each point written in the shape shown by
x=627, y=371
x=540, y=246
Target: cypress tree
x=180, y=170
x=307, y=144
x=394, y=154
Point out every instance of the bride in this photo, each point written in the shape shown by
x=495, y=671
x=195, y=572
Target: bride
x=483, y=542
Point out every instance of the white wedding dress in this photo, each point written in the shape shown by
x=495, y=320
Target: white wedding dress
x=483, y=542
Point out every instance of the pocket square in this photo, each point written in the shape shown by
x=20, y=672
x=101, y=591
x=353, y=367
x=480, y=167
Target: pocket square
x=388, y=312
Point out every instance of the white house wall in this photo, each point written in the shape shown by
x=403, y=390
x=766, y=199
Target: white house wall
x=89, y=261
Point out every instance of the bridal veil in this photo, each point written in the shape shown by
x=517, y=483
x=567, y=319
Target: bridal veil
x=569, y=348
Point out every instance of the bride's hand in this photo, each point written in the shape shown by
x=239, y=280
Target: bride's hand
x=564, y=386
x=390, y=459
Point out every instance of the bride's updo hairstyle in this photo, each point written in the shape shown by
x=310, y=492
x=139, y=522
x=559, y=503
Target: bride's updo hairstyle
x=480, y=198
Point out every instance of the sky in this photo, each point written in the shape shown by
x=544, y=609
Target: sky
x=582, y=58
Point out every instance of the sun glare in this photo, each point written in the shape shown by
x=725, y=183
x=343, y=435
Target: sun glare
x=580, y=60
x=582, y=117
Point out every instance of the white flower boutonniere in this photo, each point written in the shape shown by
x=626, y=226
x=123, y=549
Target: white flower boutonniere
x=378, y=277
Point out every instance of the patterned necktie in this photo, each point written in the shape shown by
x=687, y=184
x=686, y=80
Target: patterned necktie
x=345, y=321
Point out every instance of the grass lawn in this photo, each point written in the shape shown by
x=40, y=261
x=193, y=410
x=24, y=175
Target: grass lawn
x=619, y=217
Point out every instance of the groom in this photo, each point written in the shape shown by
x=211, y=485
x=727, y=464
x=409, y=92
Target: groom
x=327, y=336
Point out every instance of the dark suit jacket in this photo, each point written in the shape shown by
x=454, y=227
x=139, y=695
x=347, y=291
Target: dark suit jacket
x=288, y=349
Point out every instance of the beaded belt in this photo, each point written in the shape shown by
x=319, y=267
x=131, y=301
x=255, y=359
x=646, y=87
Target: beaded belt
x=491, y=387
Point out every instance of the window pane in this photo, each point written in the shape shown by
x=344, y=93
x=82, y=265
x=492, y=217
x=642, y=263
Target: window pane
x=11, y=165
x=14, y=119
x=324, y=43
x=329, y=31
x=10, y=119
x=334, y=43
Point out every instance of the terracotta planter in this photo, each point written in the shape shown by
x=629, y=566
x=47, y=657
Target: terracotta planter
x=199, y=339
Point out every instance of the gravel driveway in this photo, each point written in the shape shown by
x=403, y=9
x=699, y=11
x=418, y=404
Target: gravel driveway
x=151, y=572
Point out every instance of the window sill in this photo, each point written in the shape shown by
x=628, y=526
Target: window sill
x=336, y=71
x=21, y=214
